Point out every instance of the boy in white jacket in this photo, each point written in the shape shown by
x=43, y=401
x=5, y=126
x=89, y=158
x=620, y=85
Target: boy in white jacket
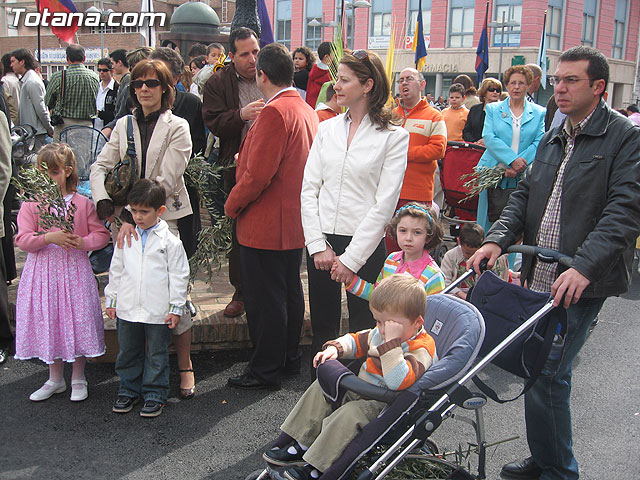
x=141, y=280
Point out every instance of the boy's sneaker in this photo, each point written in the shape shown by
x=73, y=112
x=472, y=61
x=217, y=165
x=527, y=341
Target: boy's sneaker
x=307, y=472
x=151, y=408
x=124, y=404
x=290, y=454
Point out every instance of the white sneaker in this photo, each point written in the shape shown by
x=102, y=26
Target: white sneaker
x=48, y=390
x=79, y=390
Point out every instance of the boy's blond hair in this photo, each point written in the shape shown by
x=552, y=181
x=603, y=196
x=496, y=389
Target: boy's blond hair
x=402, y=294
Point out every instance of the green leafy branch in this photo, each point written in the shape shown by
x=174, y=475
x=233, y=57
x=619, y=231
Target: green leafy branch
x=214, y=243
x=482, y=178
x=35, y=185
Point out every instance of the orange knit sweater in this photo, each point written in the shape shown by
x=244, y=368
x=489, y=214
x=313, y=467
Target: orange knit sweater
x=427, y=144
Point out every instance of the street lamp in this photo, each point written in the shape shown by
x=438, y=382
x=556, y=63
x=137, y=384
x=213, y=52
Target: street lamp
x=104, y=16
x=502, y=25
x=315, y=23
x=352, y=6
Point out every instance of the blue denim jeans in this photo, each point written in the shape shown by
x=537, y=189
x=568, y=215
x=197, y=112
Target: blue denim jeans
x=547, y=409
x=143, y=372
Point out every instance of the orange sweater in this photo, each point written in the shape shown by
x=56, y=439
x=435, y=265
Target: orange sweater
x=427, y=144
x=455, y=120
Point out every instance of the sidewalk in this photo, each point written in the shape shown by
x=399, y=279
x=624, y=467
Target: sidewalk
x=211, y=329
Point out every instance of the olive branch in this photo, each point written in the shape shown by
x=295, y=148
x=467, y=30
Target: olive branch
x=35, y=185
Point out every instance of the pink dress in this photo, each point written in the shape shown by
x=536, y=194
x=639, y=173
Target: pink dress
x=58, y=312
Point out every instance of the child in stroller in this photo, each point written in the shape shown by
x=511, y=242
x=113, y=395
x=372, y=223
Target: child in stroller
x=397, y=351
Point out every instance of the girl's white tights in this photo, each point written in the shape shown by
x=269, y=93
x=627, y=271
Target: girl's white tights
x=56, y=370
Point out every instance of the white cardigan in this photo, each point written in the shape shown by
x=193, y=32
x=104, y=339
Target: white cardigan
x=144, y=286
x=352, y=191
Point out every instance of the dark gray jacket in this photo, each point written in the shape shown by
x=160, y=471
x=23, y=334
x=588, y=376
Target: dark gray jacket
x=600, y=214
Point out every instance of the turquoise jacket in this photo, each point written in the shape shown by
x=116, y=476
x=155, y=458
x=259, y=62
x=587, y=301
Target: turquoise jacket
x=498, y=133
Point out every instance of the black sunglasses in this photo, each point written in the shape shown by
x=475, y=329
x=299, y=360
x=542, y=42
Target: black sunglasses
x=150, y=83
x=104, y=69
x=361, y=54
x=494, y=89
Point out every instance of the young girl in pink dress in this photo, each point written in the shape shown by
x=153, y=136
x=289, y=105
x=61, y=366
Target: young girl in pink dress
x=58, y=313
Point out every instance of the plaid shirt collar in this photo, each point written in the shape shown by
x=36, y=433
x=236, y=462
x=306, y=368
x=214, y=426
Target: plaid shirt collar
x=570, y=131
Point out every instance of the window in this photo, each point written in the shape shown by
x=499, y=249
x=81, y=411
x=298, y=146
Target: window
x=313, y=36
x=133, y=29
x=461, y=14
x=509, y=10
x=589, y=22
x=413, y=17
x=381, y=18
x=617, y=50
x=283, y=22
x=554, y=25
x=12, y=31
x=106, y=29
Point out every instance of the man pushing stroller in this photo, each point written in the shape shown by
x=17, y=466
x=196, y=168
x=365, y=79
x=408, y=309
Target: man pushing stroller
x=397, y=352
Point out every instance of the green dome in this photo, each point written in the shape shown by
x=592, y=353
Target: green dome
x=192, y=17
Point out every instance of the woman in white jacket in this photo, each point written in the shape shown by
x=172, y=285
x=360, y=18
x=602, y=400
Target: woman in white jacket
x=351, y=185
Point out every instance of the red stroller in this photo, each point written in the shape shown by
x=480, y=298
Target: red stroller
x=460, y=158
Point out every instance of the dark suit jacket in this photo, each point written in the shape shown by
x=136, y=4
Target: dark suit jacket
x=472, y=131
x=266, y=198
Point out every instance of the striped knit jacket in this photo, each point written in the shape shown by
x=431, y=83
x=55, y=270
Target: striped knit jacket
x=431, y=276
x=394, y=364
x=427, y=144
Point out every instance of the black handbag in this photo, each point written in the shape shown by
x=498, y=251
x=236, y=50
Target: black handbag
x=497, y=199
x=505, y=307
x=56, y=118
x=124, y=174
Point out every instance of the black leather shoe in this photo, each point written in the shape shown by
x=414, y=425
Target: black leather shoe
x=526, y=469
x=247, y=381
x=282, y=457
x=301, y=473
x=4, y=354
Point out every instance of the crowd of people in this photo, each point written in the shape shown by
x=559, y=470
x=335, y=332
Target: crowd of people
x=325, y=166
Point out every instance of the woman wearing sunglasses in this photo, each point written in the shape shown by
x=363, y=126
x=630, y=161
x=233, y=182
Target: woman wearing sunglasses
x=489, y=92
x=163, y=146
x=512, y=130
x=351, y=185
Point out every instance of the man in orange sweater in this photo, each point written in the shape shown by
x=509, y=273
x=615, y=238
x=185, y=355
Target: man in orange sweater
x=427, y=142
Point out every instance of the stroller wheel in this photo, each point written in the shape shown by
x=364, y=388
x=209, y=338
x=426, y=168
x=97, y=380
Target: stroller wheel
x=259, y=475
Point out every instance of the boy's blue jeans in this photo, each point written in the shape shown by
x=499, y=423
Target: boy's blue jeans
x=547, y=408
x=143, y=373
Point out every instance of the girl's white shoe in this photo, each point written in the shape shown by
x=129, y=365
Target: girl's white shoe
x=79, y=390
x=48, y=390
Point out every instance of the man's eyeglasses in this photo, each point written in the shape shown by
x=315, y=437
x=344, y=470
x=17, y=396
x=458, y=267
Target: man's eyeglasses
x=494, y=89
x=410, y=79
x=568, y=81
x=104, y=70
x=151, y=83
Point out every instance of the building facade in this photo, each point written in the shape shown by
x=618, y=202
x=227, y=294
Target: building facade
x=452, y=29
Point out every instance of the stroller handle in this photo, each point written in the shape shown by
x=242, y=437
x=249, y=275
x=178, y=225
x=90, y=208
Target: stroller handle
x=545, y=255
x=466, y=145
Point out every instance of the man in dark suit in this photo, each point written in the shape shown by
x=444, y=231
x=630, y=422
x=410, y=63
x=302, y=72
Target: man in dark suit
x=266, y=204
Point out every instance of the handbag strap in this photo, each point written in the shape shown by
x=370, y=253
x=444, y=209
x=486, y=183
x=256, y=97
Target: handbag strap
x=62, y=94
x=131, y=143
x=543, y=354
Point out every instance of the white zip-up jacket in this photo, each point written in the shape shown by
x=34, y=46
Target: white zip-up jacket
x=146, y=286
x=352, y=191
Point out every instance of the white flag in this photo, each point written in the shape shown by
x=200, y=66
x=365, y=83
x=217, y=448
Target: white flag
x=542, y=53
x=147, y=31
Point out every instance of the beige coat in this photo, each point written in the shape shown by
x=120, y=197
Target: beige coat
x=5, y=164
x=167, y=158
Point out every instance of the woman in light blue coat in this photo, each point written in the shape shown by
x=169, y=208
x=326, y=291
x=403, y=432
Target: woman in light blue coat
x=512, y=130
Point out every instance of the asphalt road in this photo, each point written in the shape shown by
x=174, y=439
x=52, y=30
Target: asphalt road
x=221, y=433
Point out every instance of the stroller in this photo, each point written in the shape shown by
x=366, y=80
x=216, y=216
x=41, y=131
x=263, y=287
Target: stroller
x=460, y=158
x=397, y=443
x=87, y=143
